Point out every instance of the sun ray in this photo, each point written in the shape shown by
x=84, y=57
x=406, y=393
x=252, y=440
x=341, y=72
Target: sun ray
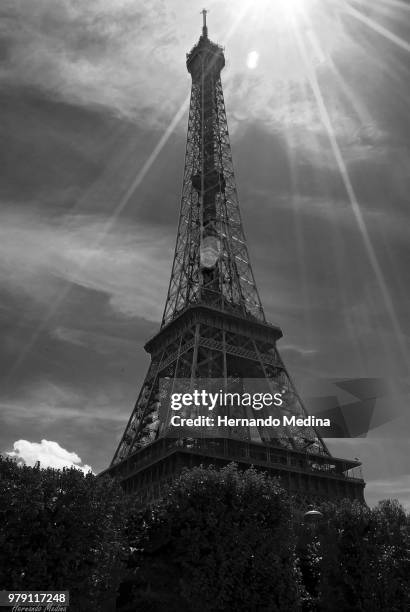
x=400, y=42
x=118, y=208
x=357, y=105
x=298, y=227
x=294, y=8
x=388, y=4
x=311, y=75
x=145, y=168
x=106, y=229
x=242, y=11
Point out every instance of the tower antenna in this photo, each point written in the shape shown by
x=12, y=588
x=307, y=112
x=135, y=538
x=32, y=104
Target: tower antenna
x=204, y=26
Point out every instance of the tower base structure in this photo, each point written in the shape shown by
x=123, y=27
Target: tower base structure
x=309, y=479
x=198, y=341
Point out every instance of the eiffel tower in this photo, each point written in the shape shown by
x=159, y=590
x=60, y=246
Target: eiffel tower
x=214, y=327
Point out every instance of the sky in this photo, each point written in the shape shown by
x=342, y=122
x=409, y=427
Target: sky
x=93, y=101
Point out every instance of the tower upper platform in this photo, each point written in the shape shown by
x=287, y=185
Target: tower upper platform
x=206, y=57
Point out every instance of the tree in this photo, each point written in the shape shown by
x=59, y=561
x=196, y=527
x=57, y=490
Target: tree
x=391, y=566
x=60, y=530
x=219, y=540
x=359, y=558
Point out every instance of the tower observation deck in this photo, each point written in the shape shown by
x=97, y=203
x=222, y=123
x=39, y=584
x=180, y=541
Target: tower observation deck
x=214, y=328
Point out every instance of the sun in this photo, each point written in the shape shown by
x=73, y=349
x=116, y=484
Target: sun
x=276, y=19
x=292, y=8
x=278, y=9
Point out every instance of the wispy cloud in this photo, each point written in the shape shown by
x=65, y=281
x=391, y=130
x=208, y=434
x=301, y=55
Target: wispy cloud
x=300, y=350
x=120, y=56
x=99, y=53
x=47, y=402
x=131, y=265
x=100, y=342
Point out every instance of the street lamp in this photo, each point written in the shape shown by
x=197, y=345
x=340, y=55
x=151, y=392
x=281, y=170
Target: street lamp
x=312, y=517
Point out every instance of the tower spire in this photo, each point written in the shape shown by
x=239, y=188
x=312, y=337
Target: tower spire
x=211, y=263
x=204, y=26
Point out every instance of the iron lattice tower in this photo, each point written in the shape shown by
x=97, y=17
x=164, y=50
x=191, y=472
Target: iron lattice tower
x=214, y=325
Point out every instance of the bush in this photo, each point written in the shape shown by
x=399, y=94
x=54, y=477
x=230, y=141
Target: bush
x=360, y=558
x=219, y=540
x=60, y=530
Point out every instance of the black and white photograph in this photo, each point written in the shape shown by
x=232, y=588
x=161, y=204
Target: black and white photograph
x=204, y=305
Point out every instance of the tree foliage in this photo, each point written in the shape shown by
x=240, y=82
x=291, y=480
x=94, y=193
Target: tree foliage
x=219, y=540
x=60, y=530
x=360, y=558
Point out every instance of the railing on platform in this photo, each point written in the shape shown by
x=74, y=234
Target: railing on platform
x=237, y=450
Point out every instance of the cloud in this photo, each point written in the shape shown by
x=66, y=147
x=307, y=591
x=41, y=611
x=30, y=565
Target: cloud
x=300, y=350
x=102, y=343
x=121, y=57
x=48, y=453
x=54, y=404
x=131, y=264
x=104, y=53
x=89, y=416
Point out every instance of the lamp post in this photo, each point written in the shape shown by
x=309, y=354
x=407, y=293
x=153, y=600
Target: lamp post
x=310, y=554
x=312, y=517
